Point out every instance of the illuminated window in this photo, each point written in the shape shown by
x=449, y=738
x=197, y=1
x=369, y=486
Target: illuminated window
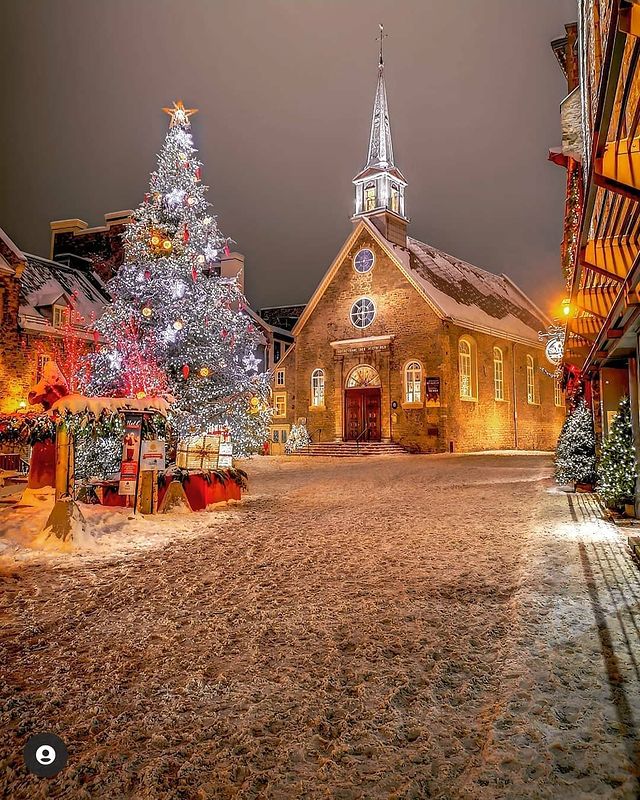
x=395, y=198
x=370, y=196
x=531, y=380
x=42, y=360
x=280, y=377
x=59, y=316
x=467, y=369
x=363, y=312
x=498, y=374
x=317, y=387
x=413, y=382
x=558, y=396
x=280, y=404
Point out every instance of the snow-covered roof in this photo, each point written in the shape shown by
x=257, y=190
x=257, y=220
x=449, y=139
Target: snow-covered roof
x=471, y=296
x=45, y=282
x=78, y=403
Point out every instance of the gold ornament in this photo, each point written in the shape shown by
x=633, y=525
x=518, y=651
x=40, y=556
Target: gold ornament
x=204, y=372
x=159, y=243
x=147, y=311
x=178, y=325
x=179, y=114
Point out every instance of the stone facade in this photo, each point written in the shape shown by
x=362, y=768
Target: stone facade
x=407, y=329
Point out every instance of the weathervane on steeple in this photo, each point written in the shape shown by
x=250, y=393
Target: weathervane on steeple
x=381, y=37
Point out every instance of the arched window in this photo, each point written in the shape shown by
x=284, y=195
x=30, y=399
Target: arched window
x=413, y=382
x=467, y=369
x=531, y=380
x=498, y=374
x=395, y=198
x=370, y=196
x=317, y=387
x=558, y=397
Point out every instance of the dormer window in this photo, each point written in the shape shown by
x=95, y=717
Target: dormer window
x=59, y=316
x=370, y=196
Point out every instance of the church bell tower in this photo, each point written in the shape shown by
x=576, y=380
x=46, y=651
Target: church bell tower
x=380, y=186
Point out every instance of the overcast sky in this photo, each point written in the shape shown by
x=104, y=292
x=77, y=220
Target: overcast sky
x=285, y=90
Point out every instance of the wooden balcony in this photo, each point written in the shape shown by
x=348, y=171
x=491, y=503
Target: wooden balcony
x=612, y=257
x=597, y=300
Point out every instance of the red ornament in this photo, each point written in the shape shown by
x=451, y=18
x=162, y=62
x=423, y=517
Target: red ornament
x=185, y=234
x=198, y=173
x=227, y=252
x=147, y=274
x=194, y=273
x=225, y=333
x=249, y=328
x=185, y=371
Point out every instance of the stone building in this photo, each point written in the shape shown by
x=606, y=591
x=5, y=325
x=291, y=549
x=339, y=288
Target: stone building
x=41, y=301
x=403, y=343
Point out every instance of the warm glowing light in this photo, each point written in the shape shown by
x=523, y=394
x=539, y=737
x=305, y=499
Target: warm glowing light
x=566, y=307
x=140, y=395
x=205, y=372
x=178, y=325
x=147, y=311
x=22, y=404
x=166, y=245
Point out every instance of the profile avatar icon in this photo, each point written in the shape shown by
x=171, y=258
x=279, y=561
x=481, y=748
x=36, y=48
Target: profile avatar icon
x=45, y=754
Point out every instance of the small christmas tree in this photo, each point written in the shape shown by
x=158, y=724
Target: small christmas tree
x=575, y=460
x=617, y=465
x=298, y=439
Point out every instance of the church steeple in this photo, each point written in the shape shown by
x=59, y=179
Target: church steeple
x=380, y=186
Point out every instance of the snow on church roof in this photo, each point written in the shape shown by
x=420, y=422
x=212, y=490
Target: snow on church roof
x=472, y=296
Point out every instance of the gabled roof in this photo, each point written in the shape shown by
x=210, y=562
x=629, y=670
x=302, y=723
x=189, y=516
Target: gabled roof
x=473, y=297
x=455, y=290
x=44, y=282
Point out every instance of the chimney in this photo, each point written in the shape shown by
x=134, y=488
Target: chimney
x=232, y=266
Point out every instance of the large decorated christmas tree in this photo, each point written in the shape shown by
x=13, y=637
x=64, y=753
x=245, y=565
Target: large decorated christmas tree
x=617, y=464
x=175, y=325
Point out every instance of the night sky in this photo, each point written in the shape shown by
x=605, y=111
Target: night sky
x=285, y=92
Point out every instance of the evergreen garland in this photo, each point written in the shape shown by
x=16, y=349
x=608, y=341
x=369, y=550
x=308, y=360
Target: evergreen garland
x=617, y=465
x=575, y=460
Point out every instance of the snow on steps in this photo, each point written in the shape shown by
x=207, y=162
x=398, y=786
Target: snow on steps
x=349, y=449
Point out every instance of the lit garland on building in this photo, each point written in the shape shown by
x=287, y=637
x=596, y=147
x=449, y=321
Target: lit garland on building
x=175, y=325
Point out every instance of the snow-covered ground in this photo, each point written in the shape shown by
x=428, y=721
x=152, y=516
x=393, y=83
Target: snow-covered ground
x=396, y=627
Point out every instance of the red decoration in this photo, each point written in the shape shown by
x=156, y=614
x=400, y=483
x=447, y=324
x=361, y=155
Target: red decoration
x=147, y=197
x=198, y=173
x=227, y=252
x=194, y=273
x=225, y=333
x=249, y=328
x=147, y=274
x=185, y=234
x=185, y=371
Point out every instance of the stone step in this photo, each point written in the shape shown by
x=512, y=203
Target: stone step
x=350, y=449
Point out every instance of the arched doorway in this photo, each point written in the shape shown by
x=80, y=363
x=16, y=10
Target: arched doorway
x=362, y=404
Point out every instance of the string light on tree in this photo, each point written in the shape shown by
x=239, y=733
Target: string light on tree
x=181, y=296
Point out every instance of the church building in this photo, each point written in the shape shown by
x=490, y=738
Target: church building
x=402, y=343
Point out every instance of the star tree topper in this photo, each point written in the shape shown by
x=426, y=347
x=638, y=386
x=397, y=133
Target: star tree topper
x=179, y=114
